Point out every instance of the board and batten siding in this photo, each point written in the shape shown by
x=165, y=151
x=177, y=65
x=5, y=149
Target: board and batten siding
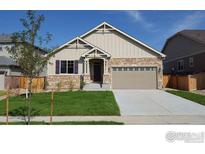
x=118, y=45
x=66, y=54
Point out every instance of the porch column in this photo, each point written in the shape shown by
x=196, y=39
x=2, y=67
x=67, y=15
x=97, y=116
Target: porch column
x=88, y=67
x=104, y=63
x=85, y=66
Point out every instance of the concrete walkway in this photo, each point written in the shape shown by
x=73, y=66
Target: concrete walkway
x=129, y=120
x=155, y=103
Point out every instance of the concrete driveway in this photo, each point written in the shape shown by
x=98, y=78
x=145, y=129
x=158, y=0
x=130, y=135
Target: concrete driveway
x=155, y=102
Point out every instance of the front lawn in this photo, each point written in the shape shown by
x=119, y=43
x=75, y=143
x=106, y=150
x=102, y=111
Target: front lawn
x=68, y=123
x=69, y=103
x=189, y=95
x=2, y=92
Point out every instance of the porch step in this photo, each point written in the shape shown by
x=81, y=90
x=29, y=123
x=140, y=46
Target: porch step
x=96, y=87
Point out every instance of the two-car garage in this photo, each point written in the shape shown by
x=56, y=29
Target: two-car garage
x=134, y=78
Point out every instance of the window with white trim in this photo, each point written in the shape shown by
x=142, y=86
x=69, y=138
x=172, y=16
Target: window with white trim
x=67, y=67
x=180, y=65
x=191, y=62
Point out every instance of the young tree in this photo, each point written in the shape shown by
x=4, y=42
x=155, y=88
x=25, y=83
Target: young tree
x=25, y=52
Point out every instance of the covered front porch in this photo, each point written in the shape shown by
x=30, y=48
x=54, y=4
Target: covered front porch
x=95, y=66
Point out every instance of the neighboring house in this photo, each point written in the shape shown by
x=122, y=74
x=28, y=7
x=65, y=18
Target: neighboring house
x=7, y=65
x=105, y=55
x=185, y=52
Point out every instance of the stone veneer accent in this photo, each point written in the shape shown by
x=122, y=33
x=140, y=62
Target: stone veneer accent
x=107, y=78
x=86, y=78
x=53, y=80
x=155, y=62
x=65, y=82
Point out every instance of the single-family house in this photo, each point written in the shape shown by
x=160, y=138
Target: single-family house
x=105, y=55
x=185, y=53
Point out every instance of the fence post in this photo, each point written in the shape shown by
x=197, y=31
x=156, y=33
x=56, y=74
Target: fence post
x=7, y=107
x=51, y=114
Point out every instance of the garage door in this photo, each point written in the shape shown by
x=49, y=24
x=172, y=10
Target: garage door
x=134, y=78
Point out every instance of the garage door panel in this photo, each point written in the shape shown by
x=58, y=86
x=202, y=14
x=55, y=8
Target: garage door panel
x=134, y=79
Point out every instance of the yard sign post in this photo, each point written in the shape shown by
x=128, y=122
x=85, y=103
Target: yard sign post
x=51, y=115
x=7, y=107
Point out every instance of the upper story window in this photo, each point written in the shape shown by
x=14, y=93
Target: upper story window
x=191, y=61
x=180, y=65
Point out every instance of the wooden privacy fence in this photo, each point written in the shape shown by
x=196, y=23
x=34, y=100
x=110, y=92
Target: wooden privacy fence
x=15, y=82
x=185, y=82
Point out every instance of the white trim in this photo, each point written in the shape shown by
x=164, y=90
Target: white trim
x=66, y=44
x=95, y=48
x=191, y=62
x=123, y=33
x=181, y=63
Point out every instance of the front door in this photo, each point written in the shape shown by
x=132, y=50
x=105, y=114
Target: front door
x=97, y=72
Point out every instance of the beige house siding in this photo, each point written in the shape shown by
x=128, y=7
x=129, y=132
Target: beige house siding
x=123, y=52
x=66, y=54
x=117, y=45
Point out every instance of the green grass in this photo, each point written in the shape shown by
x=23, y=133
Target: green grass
x=69, y=103
x=188, y=95
x=2, y=93
x=68, y=123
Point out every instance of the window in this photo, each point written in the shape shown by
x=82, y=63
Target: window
x=63, y=66
x=68, y=67
x=1, y=48
x=191, y=61
x=180, y=65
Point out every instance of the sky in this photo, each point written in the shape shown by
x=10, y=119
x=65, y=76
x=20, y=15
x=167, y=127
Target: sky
x=150, y=27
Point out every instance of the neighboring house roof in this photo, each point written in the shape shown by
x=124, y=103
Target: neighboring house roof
x=123, y=33
x=5, y=61
x=195, y=35
x=7, y=38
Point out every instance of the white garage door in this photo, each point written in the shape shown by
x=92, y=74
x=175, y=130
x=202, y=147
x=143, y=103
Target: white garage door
x=2, y=81
x=134, y=78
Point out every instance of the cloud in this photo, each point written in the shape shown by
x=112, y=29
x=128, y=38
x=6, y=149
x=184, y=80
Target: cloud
x=138, y=17
x=190, y=21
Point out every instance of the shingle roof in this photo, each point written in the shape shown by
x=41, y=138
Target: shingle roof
x=197, y=35
x=5, y=38
x=5, y=61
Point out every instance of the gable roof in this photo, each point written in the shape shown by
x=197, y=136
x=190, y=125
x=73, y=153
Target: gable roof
x=125, y=34
x=195, y=35
x=95, y=48
x=7, y=39
x=106, y=24
x=5, y=61
x=67, y=43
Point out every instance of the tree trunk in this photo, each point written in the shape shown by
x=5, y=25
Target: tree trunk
x=29, y=101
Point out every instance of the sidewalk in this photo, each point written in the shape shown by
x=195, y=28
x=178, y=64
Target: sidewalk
x=129, y=120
